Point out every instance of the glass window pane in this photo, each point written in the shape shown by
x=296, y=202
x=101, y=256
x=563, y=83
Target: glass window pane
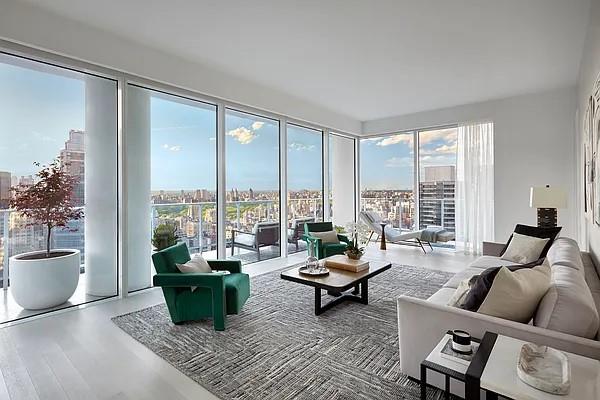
x=387, y=178
x=305, y=181
x=437, y=176
x=341, y=180
x=252, y=184
x=183, y=169
x=51, y=114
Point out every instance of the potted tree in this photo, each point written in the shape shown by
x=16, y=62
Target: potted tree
x=46, y=278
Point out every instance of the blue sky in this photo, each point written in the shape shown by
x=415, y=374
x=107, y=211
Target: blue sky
x=388, y=162
x=37, y=109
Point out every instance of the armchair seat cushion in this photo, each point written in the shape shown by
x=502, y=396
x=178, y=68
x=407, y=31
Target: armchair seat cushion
x=245, y=239
x=237, y=291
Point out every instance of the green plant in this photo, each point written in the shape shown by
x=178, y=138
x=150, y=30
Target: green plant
x=339, y=229
x=358, y=233
x=164, y=235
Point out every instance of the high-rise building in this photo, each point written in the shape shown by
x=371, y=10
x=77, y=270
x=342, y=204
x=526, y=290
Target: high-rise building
x=73, y=156
x=436, y=197
x=5, y=184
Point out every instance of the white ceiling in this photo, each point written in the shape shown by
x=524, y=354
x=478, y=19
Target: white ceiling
x=366, y=59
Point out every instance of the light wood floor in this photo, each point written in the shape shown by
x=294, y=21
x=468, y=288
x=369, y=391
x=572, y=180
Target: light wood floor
x=81, y=354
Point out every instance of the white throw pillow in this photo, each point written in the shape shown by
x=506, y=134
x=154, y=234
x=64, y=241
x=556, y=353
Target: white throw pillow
x=524, y=249
x=327, y=236
x=460, y=294
x=515, y=295
x=196, y=264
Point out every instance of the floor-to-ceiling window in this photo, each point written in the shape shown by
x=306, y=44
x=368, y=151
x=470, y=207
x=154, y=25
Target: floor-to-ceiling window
x=304, y=181
x=341, y=180
x=252, y=184
x=387, y=178
x=437, y=178
x=52, y=114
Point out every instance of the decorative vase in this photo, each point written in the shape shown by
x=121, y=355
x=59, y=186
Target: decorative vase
x=312, y=262
x=353, y=255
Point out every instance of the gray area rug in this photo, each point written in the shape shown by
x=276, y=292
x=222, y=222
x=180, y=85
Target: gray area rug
x=278, y=349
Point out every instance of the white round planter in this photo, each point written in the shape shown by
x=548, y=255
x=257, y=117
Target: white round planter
x=44, y=282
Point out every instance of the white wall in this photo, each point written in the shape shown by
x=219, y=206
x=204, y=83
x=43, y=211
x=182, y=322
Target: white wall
x=589, y=70
x=534, y=139
x=26, y=24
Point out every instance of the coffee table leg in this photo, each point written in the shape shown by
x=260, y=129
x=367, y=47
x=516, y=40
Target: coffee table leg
x=364, y=292
x=318, y=310
x=356, y=290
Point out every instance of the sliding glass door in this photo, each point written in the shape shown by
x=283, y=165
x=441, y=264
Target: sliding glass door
x=437, y=178
x=60, y=122
x=387, y=178
x=304, y=181
x=252, y=187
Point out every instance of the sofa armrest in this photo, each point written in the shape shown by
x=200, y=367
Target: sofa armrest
x=233, y=266
x=421, y=325
x=493, y=248
x=343, y=239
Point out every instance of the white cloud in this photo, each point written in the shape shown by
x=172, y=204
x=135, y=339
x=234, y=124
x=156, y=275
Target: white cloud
x=399, y=162
x=212, y=139
x=256, y=125
x=406, y=138
x=243, y=135
x=301, y=146
x=174, y=148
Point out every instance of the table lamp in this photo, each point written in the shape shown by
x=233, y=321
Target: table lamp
x=547, y=199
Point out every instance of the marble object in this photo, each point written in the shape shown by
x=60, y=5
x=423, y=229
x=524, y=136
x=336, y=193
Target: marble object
x=544, y=368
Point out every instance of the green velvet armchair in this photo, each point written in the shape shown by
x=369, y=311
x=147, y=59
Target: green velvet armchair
x=321, y=249
x=216, y=295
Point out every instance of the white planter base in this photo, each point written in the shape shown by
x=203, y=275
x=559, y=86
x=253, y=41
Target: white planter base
x=46, y=282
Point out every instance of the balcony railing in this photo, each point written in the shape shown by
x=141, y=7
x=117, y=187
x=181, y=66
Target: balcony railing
x=200, y=233
x=432, y=211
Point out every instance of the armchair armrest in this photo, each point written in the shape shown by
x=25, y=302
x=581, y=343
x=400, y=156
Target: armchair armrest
x=314, y=239
x=201, y=279
x=233, y=266
x=493, y=248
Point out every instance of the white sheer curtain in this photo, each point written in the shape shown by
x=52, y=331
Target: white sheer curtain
x=475, y=186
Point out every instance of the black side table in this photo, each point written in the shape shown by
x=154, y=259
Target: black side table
x=449, y=368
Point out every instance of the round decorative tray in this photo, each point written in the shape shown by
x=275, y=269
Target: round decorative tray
x=317, y=272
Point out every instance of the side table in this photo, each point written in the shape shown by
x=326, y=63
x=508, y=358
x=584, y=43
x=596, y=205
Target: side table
x=383, y=246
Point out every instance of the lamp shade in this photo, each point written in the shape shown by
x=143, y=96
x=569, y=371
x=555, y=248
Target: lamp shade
x=547, y=197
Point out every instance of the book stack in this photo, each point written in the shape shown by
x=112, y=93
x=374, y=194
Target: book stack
x=342, y=262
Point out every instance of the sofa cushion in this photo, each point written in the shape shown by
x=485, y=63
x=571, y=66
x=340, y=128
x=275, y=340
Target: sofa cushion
x=486, y=262
x=327, y=237
x=568, y=305
x=442, y=296
x=565, y=252
x=465, y=274
x=516, y=295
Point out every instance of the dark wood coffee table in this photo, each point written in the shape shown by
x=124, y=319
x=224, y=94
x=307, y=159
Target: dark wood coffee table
x=337, y=282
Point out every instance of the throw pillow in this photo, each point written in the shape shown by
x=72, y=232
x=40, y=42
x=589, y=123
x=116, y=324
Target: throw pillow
x=196, y=264
x=516, y=295
x=327, y=236
x=461, y=292
x=524, y=249
x=538, y=232
x=483, y=282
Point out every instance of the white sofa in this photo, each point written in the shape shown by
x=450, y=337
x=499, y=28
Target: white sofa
x=567, y=317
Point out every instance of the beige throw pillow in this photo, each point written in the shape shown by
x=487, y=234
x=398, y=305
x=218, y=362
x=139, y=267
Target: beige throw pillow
x=460, y=294
x=524, y=249
x=515, y=295
x=196, y=264
x=327, y=236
